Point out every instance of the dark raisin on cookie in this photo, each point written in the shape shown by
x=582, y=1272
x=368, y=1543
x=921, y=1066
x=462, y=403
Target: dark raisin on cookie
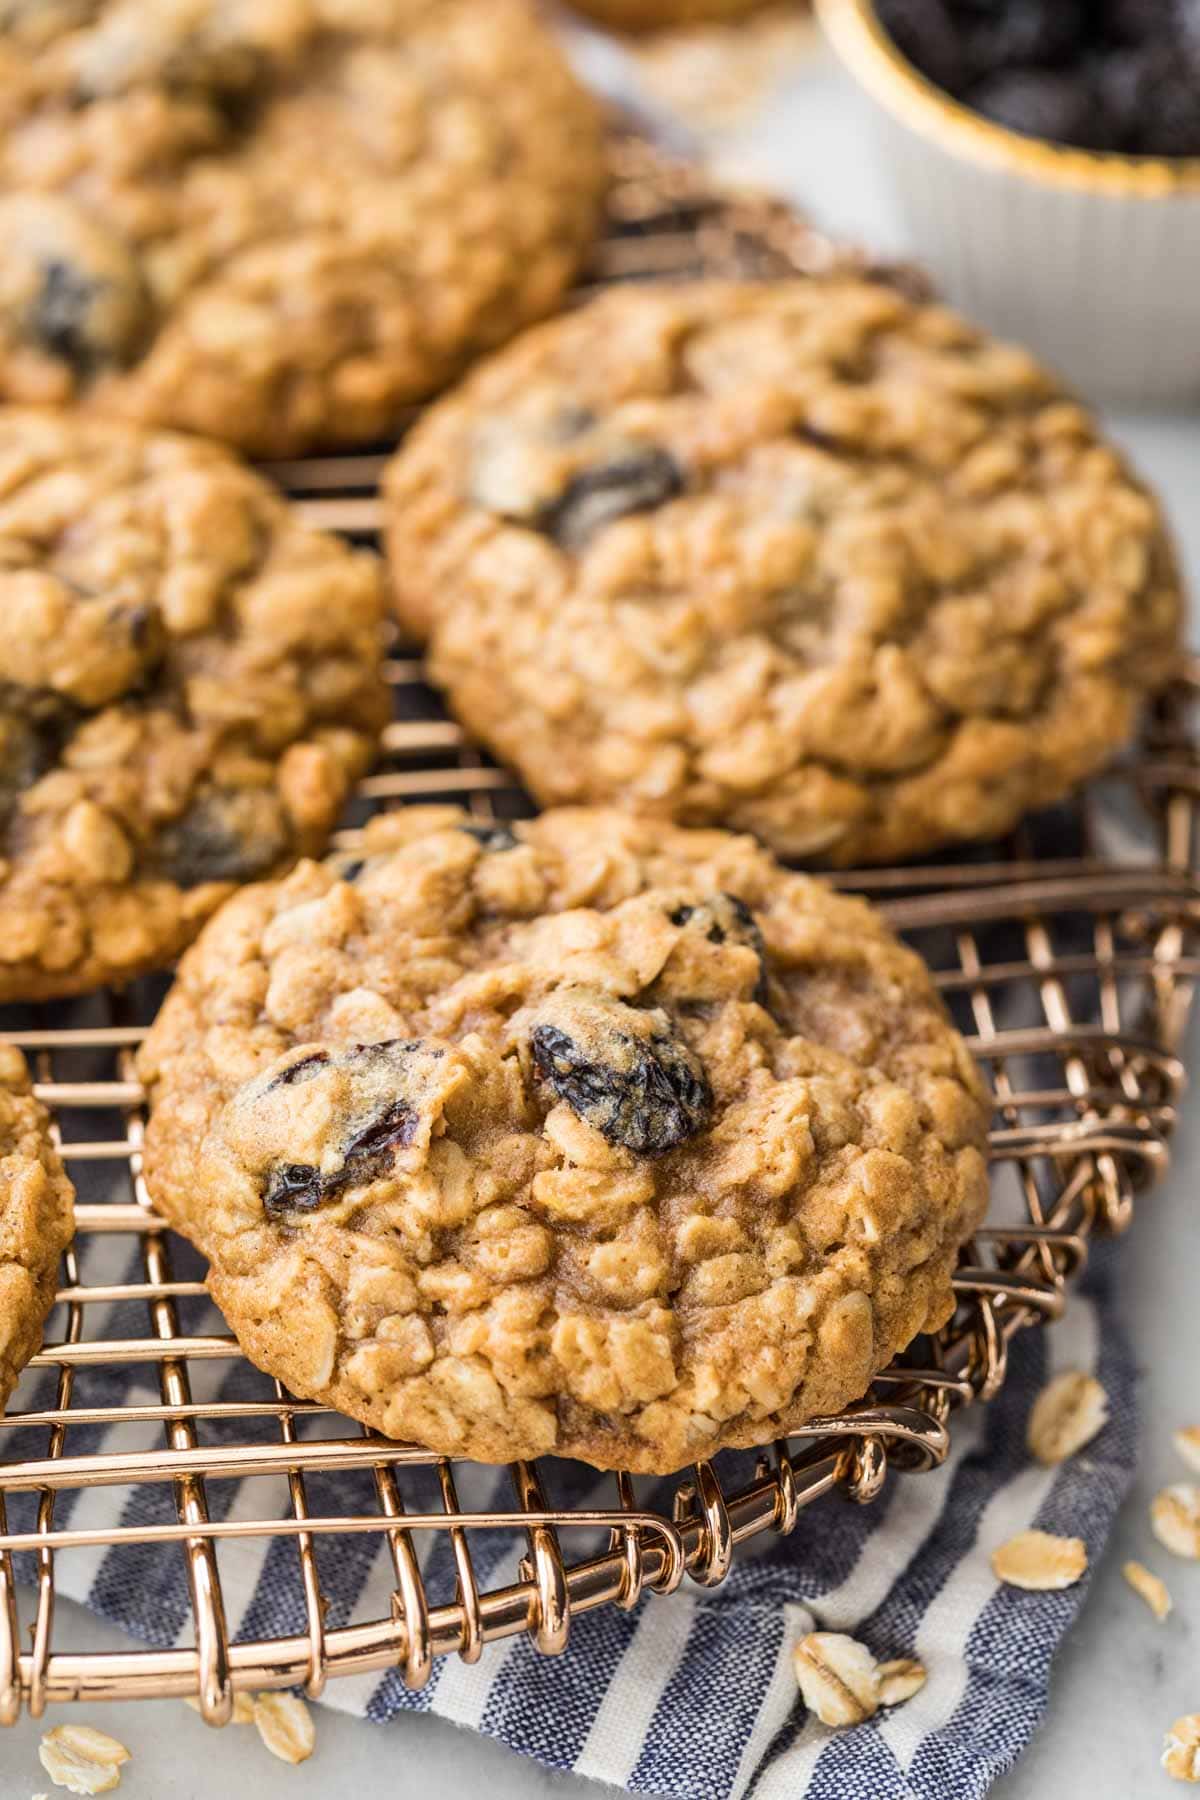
x=379, y=1123
x=647, y=1093
x=70, y=283
x=35, y=723
x=88, y=319
x=726, y=919
x=634, y=482
x=368, y=1151
x=293, y=1187
x=303, y=1070
x=492, y=837
x=224, y=835
x=61, y=318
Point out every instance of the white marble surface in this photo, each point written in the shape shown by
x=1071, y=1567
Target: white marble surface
x=1120, y=1679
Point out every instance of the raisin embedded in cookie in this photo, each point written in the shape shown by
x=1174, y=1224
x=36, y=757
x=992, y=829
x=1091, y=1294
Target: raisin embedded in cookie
x=36, y=1219
x=190, y=682
x=812, y=559
x=592, y=1136
x=653, y=15
x=280, y=222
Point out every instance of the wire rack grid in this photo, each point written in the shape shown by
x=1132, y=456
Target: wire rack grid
x=1069, y=963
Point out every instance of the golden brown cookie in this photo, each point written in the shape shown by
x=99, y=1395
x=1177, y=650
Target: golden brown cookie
x=653, y=15
x=590, y=1136
x=814, y=560
x=36, y=1219
x=280, y=222
x=190, y=682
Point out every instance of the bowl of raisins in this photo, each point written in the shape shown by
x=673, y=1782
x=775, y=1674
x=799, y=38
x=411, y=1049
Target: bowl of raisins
x=1046, y=157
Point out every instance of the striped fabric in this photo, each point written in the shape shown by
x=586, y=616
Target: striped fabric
x=694, y=1695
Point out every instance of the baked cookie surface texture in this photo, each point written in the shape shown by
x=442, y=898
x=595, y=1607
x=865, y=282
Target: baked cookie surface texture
x=588, y=1136
x=36, y=1219
x=813, y=560
x=653, y=15
x=190, y=682
x=280, y=222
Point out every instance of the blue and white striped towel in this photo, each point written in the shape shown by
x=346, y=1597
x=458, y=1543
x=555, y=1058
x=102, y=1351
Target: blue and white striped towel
x=693, y=1695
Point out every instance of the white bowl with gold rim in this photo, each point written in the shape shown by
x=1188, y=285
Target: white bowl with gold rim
x=1090, y=258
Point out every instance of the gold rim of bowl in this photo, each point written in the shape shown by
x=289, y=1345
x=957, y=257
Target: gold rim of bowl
x=853, y=28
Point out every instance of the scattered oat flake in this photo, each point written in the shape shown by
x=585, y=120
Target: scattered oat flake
x=1066, y=1415
x=838, y=1676
x=1149, y=1586
x=1039, y=1561
x=900, y=1679
x=285, y=1726
x=1181, y=1750
x=1187, y=1442
x=1175, y=1516
x=82, y=1759
x=243, y=1708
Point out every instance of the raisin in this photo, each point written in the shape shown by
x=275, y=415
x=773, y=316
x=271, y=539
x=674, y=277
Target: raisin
x=1138, y=21
x=102, y=650
x=1153, y=95
x=293, y=1187
x=75, y=287
x=726, y=919
x=633, y=483
x=1061, y=108
x=60, y=316
x=380, y=1122
x=88, y=318
x=225, y=835
x=492, y=837
x=367, y=1152
x=35, y=724
x=303, y=1070
x=639, y=1087
x=925, y=32
x=351, y=871
x=1024, y=32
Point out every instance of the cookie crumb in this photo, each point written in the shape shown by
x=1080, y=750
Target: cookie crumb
x=1181, y=1749
x=285, y=1726
x=1175, y=1517
x=1151, y=1588
x=1039, y=1561
x=82, y=1759
x=1067, y=1414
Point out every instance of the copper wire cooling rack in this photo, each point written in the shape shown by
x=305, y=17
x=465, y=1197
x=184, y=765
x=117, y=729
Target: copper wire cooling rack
x=1069, y=955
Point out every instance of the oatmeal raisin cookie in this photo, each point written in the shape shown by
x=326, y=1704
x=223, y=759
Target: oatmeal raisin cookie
x=590, y=1136
x=814, y=559
x=190, y=682
x=280, y=222
x=36, y=1219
